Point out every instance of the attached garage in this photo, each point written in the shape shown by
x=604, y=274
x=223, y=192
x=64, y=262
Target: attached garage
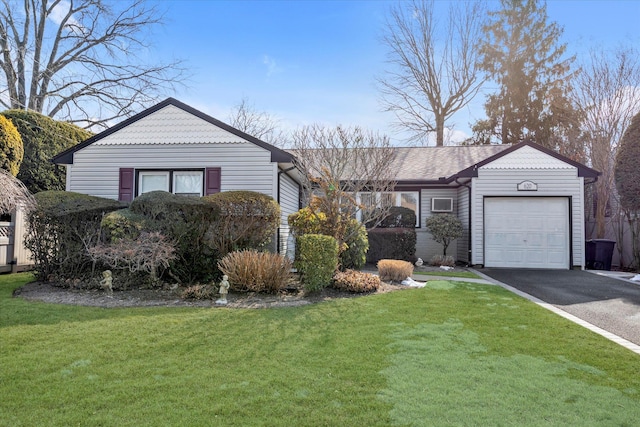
x=527, y=209
x=527, y=232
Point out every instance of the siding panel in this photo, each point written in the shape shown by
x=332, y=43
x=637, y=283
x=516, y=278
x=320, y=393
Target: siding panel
x=289, y=202
x=244, y=165
x=426, y=247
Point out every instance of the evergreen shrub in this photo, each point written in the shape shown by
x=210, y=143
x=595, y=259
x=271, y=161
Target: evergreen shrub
x=317, y=261
x=184, y=221
x=61, y=228
x=392, y=243
x=356, y=245
x=11, y=148
x=42, y=139
x=394, y=237
x=246, y=220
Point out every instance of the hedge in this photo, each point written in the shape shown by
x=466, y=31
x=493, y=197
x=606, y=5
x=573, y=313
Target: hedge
x=392, y=243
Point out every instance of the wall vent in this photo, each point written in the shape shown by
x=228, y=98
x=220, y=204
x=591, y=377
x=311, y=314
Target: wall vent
x=441, y=205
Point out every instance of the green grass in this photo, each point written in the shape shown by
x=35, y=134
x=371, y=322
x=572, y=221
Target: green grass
x=444, y=273
x=447, y=354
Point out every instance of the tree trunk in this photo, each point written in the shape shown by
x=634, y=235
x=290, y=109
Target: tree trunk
x=439, y=130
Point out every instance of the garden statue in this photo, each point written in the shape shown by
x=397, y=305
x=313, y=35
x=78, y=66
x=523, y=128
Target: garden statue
x=107, y=281
x=224, y=290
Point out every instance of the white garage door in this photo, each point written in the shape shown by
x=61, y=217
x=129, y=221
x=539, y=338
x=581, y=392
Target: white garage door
x=526, y=232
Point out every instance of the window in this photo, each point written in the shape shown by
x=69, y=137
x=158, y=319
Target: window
x=184, y=183
x=153, y=181
x=187, y=183
x=406, y=199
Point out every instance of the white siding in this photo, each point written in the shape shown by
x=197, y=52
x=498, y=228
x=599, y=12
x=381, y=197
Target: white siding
x=169, y=125
x=244, y=166
x=463, y=215
x=289, y=203
x=563, y=182
x=426, y=247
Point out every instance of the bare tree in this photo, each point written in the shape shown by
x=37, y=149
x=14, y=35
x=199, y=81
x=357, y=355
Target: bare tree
x=259, y=124
x=13, y=193
x=341, y=164
x=607, y=95
x=80, y=59
x=434, y=66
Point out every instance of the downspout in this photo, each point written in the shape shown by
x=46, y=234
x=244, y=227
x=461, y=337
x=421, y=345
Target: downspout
x=469, y=219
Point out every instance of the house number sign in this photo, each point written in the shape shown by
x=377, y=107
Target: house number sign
x=527, y=186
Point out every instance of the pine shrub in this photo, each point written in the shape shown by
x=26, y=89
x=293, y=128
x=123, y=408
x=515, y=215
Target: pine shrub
x=356, y=281
x=317, y=260
x=394, y=270
x=253, y=271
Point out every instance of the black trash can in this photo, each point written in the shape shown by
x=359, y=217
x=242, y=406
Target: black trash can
x=598, y=253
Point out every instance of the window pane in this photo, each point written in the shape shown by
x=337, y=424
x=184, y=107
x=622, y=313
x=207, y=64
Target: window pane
x=387, y=199
x=367, y=200
x=187, y=183
x=409, y=200
x=152, y=181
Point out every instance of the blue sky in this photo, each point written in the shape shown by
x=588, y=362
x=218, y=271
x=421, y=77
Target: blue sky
x=316, y=61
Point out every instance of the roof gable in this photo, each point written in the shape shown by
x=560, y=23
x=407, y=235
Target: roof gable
x=534, y=156
x=527, y=157
x=171, y=122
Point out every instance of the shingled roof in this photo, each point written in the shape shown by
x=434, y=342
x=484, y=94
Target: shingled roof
x=433, y=163
x=443, y=165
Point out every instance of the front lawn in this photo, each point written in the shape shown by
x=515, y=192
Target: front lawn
x=447, y=354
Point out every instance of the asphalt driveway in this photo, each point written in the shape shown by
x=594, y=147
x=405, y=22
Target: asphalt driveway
x=609, y=303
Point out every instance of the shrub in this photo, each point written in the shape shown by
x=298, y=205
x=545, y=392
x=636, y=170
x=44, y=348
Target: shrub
x=397, y=217
x=11, y=148
x=353, y=254
x=356, y=281
x=185, y=221
x=438, y=260
x=395, y=270
x=61, y=228
x=43, y=138
x=122, y=224
x=199, y=292
x=254, y=271
x=357, y=245
x=148, y=253
x=306, y=221
x=392, y=243
x=444, y=228
x=318, y=260
x=247, y=220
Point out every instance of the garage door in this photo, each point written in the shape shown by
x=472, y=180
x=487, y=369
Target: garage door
x=526, y=232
